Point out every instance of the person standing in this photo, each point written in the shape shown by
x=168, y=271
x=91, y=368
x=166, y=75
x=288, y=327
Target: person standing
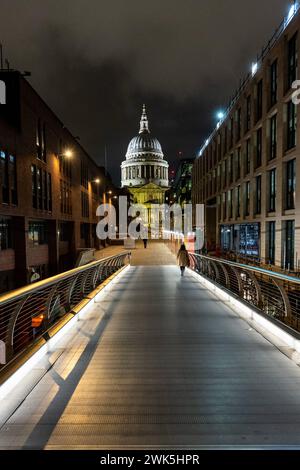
x=145, y=241
x=183, y=259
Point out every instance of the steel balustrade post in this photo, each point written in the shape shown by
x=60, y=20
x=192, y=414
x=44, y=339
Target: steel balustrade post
x=257, y=288
x=70, y=292
x=48, y=303
x=285, y=298
x=9, y=342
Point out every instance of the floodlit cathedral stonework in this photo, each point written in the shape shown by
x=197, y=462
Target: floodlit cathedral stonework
x=145, y=171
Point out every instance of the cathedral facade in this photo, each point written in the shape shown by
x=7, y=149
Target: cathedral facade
x=145, y=171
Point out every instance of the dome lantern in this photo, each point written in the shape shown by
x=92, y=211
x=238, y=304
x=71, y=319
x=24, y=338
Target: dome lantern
x=144, y=124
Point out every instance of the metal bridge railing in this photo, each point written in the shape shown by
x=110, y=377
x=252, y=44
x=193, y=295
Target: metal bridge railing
x=28, y=313
x=275, y=294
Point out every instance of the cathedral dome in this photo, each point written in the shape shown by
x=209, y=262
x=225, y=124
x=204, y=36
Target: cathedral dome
x=145, y=161
x=144, y=145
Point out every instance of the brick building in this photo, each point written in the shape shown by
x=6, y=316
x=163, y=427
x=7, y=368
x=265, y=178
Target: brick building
x=50, y=188
x=248, y=171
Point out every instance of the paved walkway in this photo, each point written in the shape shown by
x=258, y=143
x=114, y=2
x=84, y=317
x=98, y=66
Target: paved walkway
x=159, y=362
x=156, y=254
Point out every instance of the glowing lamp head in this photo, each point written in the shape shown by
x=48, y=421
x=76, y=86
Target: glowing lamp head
x=292, y=11
x=97, y=181
x=68, y=153
x=254, y=68
x=220, y=115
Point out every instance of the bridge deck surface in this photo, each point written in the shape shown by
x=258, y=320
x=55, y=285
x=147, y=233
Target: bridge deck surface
x=159, y=362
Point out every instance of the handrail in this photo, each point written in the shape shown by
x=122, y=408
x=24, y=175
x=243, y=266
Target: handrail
x=14, y=294
x=26, y=314
x=283, y=277
x=276, y=295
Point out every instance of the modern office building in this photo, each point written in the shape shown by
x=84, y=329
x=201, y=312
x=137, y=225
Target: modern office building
x=181, y=187
x=248, y=171
x=50, y=188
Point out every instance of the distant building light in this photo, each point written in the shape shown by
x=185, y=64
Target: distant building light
x=292, y=11
x=254, y=68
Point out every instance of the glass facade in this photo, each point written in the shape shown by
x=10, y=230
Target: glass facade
x=242, y=239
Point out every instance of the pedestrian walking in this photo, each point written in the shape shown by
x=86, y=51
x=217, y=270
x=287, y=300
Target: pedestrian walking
x=183, y=259
x=145, y=241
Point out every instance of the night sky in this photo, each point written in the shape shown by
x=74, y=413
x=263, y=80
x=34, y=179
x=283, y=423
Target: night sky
x=96, y=62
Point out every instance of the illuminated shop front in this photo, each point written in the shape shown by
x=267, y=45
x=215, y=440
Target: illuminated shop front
x=241, y=239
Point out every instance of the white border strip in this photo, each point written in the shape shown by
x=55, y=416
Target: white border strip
x=259, y=322
x=26, y=368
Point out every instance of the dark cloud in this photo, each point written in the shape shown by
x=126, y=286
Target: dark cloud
x=95, y=62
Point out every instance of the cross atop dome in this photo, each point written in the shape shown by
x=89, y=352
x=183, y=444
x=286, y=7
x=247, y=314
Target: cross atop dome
x=144, y=124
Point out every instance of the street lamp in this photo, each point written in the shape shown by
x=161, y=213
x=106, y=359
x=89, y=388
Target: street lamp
x=67, y=153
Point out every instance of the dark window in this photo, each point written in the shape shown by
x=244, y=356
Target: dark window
x=258, y=195
x=45, y=190
x=5, y=234
x=5, y=176
x=224, y=173
x=64, y=233
x=290, y=184
x=224, y=206
x=84, y=204
x=289, y=245
x=41, y=140
x=248, y=113
x=37, y=232
x=39, y=187
x=292, y=60
x=231, y=168
x=84, y=175
x=273, y=88
x=259, y=100
x=13, y=179
x=248, y=157
x=238, y=124
x=238, y=163
x=231, y=133
x=272, y=190
x=247, y=198
x=273, y=137
x=65, y=197
x=291, y=125
x=49, y=192
x=34, y=186
x=225, y=141
x=230, y=203
x=65, y=166
x=238, y=201
x=258, y=147
x=44, y=150
x=271, y=242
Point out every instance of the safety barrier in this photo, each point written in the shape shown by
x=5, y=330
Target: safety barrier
x=275, y=294
x=28, y=313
